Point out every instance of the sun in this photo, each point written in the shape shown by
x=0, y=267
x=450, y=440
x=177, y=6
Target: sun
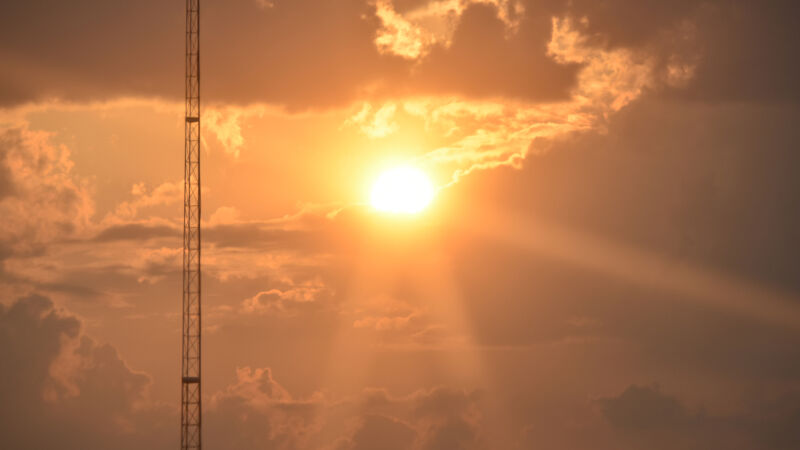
x=402, y=190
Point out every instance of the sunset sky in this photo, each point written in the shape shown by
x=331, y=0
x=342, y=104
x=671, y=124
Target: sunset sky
x=594, y=247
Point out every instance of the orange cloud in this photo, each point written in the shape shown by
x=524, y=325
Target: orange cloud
x=411, y=34
x=40, y=198
x=284, y=302
x=485, y=134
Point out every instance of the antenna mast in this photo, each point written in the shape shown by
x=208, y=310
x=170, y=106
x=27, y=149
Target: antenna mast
x=191, y=410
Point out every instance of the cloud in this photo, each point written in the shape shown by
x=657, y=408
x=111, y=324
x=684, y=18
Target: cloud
x=56, y=378
x=645, y=407
x=41, y=199
x=414, y=29
x=646, y=415
x=483, y=60
x=271, y=55
x=741, y=50
x=377, y=124
x=405, y=321
x=262, y=54
x=289, y=301
x=273, y=52
x=399, y=36
x=645, y=185
x=455, y=434
x=404, y=422
x=257, y=412
x=491, y=133
x=378, y=431
x=446, y=418
x=225, y=124
x=747, y=54
x=136, y=231
x=166, y=193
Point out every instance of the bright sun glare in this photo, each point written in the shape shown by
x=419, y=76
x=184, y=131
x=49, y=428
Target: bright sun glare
x=404, y=190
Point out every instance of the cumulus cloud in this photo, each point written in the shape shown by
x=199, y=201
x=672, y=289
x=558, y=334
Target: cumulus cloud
x=289, y=301
x=436, y=419
x=166, y=193
x=225, y=124
x=41, y=200
x=55, y=378
x=377, y=431
x=257, y=412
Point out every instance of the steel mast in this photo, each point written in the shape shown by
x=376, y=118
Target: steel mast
x=191, y=410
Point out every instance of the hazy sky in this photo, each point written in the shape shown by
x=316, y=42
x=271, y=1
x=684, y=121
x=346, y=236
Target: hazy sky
x=610, y=260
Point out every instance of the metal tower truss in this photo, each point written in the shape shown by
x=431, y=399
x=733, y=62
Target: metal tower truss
x=191, y=410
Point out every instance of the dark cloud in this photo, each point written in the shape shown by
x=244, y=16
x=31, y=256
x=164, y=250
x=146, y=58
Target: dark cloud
x=645, y=415
x=484, y=60
x=31, y=341
x=298, y=53
x=136, y=231
x=384, y=433
x=444, y=402
x=259, y=235
x=325, y=230
x=643, y=408
x=305, y=53
x=440, y=418
x=747, y=53
x=6, y=183
x=452, y=419
x=624, y=23
x=257, y=412
x=744, y=51
x=453, y=434
x=90, y=49
x=61, y=388
x=718, y=195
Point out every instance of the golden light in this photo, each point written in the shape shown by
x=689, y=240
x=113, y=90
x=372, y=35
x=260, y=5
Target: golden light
x=402, y=190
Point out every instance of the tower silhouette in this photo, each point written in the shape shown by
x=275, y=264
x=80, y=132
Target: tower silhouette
x=191, y=405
